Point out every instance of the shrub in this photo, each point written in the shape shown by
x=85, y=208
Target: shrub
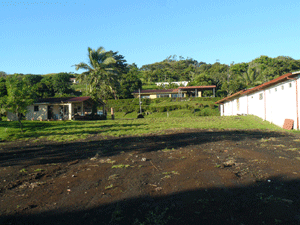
x=162, y=109
x=211, y=106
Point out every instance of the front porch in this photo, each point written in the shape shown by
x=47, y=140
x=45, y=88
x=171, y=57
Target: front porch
x=66, y=109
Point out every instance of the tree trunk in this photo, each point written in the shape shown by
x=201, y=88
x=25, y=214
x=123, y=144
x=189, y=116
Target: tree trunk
x=19, y=120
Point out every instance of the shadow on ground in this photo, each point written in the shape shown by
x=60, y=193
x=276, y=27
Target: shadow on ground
x=274, y=201
x=29, y=153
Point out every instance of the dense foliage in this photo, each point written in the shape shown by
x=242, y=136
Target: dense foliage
x=227, y=78
x=108, y=76
x=196, y=106
x=19, y=96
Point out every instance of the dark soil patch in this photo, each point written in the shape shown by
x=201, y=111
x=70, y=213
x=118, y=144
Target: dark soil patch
x=181, y=177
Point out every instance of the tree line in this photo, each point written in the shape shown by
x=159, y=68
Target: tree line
x=107, y=75
x=228, y=78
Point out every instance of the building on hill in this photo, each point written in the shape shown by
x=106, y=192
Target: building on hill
x=188, y=91
x=59, y=108
x=73, y=80
x=183, y=83
x=274, y=101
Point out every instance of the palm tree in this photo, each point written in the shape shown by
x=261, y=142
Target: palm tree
x=252, y=76
x=100, y=75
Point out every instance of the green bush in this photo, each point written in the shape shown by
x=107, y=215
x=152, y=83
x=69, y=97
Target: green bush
x=161, y=105
x=162, y=109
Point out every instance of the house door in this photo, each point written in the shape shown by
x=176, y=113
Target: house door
x=50, y=112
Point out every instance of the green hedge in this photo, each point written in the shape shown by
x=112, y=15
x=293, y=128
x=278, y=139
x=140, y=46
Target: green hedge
x=198, y=106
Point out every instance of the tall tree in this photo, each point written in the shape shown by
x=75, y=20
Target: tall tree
x=62, y=84
x=130, y=82
x=3, y=90
x=101, y=75
x=19, y=96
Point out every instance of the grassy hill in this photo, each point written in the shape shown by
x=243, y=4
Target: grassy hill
x=164, y=107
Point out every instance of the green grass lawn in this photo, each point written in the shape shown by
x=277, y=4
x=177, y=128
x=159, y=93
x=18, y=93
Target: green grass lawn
x=62, y=131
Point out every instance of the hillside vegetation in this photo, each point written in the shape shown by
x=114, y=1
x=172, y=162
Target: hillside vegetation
x=164, y=107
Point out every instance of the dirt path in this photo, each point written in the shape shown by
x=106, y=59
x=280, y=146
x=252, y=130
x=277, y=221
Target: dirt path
x=190, y=176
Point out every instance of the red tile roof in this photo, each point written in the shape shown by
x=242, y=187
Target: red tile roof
x=62, y=99
x=174, y=90
x=156, y=91
x=197, y=87
x=231, y=96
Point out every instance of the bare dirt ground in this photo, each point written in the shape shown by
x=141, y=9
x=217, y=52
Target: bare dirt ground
x=180, y=177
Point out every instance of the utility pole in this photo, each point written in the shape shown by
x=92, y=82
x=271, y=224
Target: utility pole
x=140, y=101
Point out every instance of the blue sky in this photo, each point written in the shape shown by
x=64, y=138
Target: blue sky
x=41, y=37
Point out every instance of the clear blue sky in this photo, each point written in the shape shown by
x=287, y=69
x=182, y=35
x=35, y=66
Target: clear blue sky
x=41, y=37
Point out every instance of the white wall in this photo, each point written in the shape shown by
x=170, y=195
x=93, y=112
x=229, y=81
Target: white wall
x=42, y=114
x=11, y=116
x=256, y=105
x=281, y=102
x=274, y=104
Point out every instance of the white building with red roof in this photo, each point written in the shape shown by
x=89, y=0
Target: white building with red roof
x=188, y=91
x=275, y=101
x=64, y=108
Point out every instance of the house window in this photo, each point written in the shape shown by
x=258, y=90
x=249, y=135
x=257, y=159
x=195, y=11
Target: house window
x=290, y=85
x=162, y=95
x=282, y=87
x=260, y=96
x=176, y=95
x=36, y=108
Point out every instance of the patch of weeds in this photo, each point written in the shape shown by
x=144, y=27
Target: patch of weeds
x=140, y=166
x=166, y=177
x=172, y=172
x=116, y=216
x=167, y=150
x=264, y=140
x=279, y=145
x=183, y=157
x=120, y=166
x=268, y=139
x=23, y=170
x=218, y=166
x=109, y=187
x=266, y=199
x=113, y=177
x=204, y=202
x=157, y=217
x=292, y=149
x=38, y=170
x=110, y=161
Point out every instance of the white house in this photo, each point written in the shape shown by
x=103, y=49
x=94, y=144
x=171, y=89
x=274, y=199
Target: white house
x=273, y=101
x=74, y=81
x=188, y=91
x=184, y=83
x=58, y=108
